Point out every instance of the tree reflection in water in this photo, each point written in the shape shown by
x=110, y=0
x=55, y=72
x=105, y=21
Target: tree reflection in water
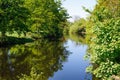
x=32, y=61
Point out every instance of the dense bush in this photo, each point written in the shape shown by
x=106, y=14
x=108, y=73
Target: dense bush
x=106, y=48
x=103, y=35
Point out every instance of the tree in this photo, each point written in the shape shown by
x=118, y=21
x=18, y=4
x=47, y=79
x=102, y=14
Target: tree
x=13, y=16
x=47, y=17
x=106, y=9
x=78, y=27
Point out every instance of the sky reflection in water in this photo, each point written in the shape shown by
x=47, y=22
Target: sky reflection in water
x=74, y=68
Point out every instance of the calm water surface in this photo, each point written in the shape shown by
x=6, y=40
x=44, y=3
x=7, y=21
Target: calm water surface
x=44, y=60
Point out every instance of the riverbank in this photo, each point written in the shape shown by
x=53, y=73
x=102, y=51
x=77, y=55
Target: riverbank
x=13, y=40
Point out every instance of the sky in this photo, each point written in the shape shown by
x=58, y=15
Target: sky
x=74, y=7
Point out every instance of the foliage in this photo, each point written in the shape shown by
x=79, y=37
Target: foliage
x=106, y=40
x=13, y=16
x=41, y=18
x=103, y=11
x=103, y=34
x=106, y=70
x=67, y=28
x=48, y=18
x=106, y=47
x=107, y=9
x=78, y=27
x=77, y=38
x=89, y=31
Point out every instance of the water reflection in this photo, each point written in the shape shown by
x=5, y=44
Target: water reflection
x=32, y=61
x=75, y=67
x=78, y=39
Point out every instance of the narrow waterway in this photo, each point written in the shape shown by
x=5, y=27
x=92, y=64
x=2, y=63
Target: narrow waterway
x=44, y=60
x=75, y=66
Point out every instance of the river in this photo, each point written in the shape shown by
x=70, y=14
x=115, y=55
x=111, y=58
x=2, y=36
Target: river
x=44, y=60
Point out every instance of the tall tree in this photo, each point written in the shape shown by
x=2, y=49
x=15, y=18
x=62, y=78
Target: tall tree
x=48, y=17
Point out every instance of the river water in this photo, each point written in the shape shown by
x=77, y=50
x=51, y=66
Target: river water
x=44, y=60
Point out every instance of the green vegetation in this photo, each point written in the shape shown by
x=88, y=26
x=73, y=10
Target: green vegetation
x=103, y=35
x=13, y=17
x=76, y=30
x=78, y=27
x=105, y=48
x=77, y=38
x=67, y=28
x=21, y=19
x=48, y=18
x=40, y=18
